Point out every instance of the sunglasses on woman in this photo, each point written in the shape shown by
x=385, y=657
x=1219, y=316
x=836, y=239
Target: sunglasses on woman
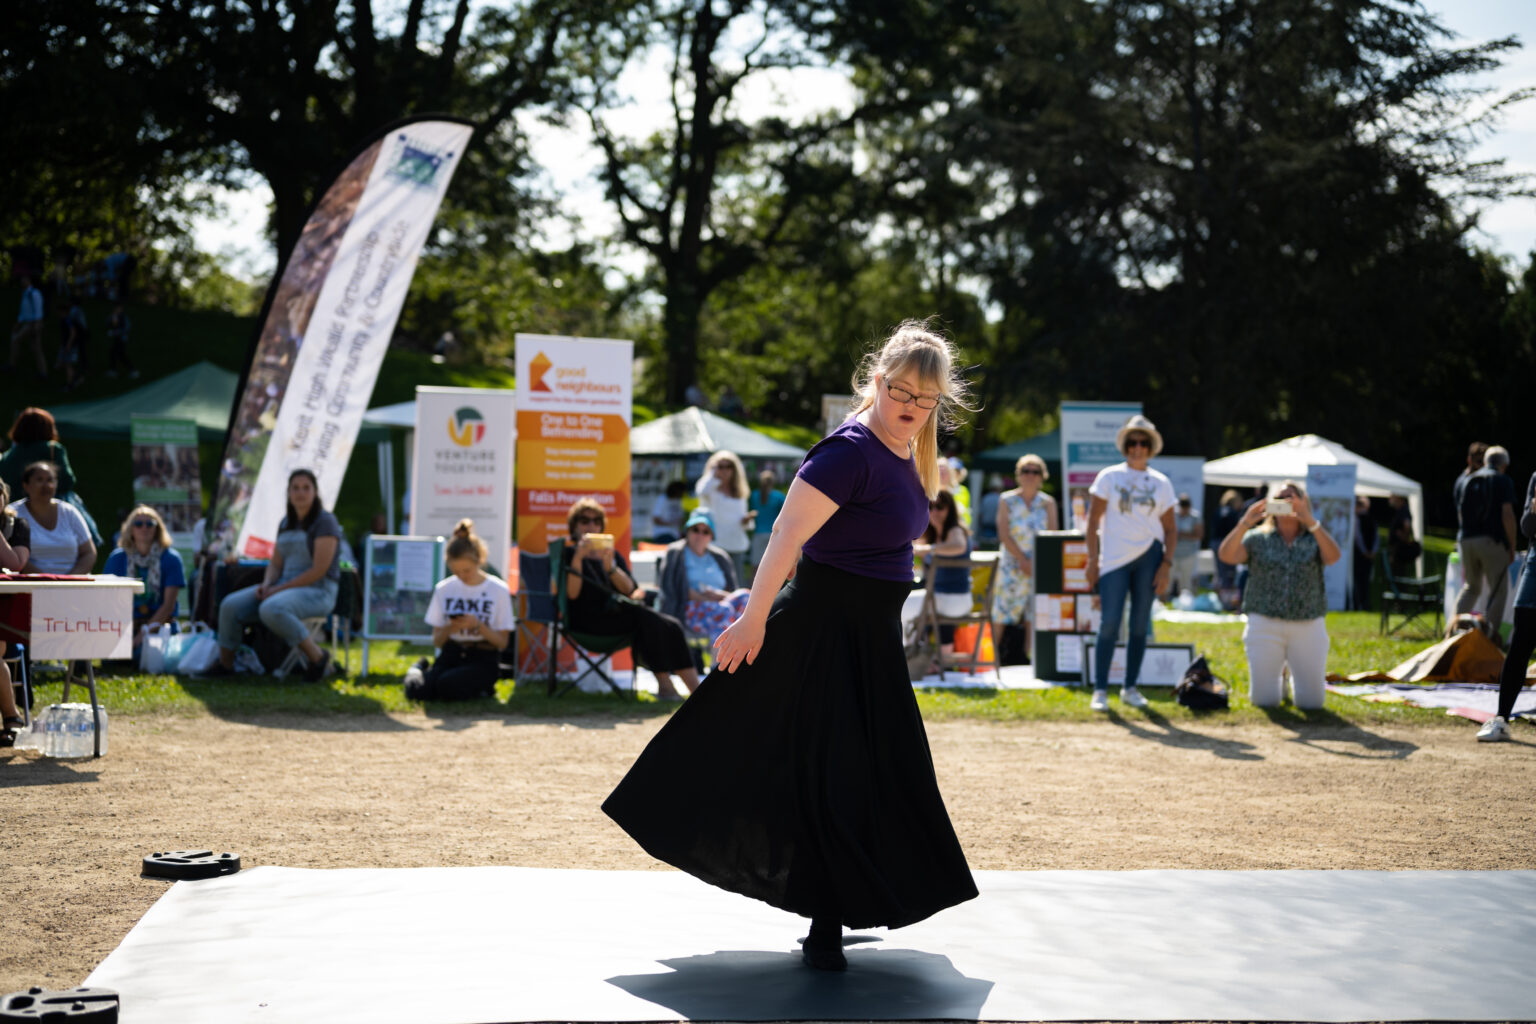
x=590, y=520
x=144, y=524
x=1138, y=442
x=1030, y=471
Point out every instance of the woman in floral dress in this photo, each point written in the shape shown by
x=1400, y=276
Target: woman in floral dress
x=1021, y=513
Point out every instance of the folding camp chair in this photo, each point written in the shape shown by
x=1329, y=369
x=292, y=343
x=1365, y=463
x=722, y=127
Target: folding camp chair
x=1411, y=597
x=979, y=615
x=590, y=648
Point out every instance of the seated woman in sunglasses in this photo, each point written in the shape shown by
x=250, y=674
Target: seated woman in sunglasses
x=698, y=583
x=144, y=553
x=595, y=590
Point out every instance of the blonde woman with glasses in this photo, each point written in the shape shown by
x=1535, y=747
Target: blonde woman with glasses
x=144, y=553
x=810, y=784
x=723, y=490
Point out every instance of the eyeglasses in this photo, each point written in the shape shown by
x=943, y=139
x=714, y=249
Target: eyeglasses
x=592, y=520
x=1029, y=471
x=144, y=524
x=906, y=397
x=1138, y=442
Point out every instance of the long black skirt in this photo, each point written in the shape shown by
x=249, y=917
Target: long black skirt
x=807, y=780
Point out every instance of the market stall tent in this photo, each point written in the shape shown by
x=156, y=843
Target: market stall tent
x=696, y=431
x=203, y=393
x=1289, y=459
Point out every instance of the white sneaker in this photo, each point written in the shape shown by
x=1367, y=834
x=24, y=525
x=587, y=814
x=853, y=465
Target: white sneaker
x=1131, y=697
x=1495, y=730
x=1100, y=701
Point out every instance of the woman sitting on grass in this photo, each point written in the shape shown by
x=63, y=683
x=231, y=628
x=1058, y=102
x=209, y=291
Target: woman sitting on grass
x=144, y=553
x=471, y=620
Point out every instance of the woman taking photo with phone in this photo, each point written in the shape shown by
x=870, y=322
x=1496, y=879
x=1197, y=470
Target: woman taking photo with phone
x=1285, y=548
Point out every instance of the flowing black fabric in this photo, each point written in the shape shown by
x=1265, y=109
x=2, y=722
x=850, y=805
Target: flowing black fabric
x=809, y=781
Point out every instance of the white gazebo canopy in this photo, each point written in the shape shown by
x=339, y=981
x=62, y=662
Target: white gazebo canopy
x=1289, y=459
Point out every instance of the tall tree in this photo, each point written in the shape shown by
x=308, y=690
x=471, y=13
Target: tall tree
x=712, y=194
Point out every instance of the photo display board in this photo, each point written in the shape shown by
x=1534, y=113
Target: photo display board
x=399, y=574
x=1065, y=611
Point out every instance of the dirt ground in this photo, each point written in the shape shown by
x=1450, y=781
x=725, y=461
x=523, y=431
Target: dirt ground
x=420, y=790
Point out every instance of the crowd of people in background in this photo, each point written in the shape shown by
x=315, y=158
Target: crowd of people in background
x=1145, y=544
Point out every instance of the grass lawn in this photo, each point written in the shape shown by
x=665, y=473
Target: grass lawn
x=1356, y=647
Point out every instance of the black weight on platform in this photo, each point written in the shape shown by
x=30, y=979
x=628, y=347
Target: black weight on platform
x=188, y=864
x=75, y=1005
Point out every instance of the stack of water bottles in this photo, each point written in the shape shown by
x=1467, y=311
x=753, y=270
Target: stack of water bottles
x=65, y=730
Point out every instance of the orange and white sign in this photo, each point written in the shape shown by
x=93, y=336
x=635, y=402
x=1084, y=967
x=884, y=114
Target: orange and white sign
x=574, y=407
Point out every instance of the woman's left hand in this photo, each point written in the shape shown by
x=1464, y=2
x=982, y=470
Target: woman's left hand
x=1301, y=508
x=741, y=642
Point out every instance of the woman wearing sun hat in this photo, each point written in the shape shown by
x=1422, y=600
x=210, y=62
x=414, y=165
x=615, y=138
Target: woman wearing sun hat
x=1131, y=532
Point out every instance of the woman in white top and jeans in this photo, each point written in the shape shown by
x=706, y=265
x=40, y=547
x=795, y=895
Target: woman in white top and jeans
x=723, y=490
x=1130, y=551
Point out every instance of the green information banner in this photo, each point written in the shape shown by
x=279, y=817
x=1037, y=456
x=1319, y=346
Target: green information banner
x=165, y=470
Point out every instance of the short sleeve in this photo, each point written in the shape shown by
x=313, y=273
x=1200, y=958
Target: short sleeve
x=835, y=467
x=326, y=525
x=77, y=527
x=1100, y=487
x=117, y=564
x=172, y=572
x=21, y=533
x=435, y=615
x=501, y=615
x=1166, y=499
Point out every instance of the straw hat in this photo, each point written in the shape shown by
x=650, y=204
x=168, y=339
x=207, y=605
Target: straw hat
x=1140, y=423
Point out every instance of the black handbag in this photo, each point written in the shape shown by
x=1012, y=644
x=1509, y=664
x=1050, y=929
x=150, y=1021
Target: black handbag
x=1199, y=690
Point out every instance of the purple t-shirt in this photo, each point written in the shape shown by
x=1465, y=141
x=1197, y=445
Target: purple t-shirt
x=881, y=505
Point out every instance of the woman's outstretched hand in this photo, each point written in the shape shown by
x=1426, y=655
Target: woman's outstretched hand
x=741, y=642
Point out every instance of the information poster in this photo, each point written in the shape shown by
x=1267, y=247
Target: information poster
x=1089, y=613
x=1187, y=474
x=1162, y=665
x=165, y=470
x=574, y=409
x=1055, y=613
x=1331, y=489
x=1088, y=432
x=401, y=573
x=464, y=448
x=1074, y=566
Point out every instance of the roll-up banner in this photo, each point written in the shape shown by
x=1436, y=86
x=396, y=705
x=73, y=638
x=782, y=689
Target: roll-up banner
x=574, y=408
x=327, y=325
x=1088, y=432
x=464, y=449
x=1331, y=492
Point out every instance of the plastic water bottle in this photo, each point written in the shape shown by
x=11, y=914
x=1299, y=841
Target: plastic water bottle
x=52, y=726
x=71, y=731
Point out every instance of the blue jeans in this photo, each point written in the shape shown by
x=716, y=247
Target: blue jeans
x=1134, y=578
x=281, y=613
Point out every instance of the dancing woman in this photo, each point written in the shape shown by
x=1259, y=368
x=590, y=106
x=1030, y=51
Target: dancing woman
x=818, y=793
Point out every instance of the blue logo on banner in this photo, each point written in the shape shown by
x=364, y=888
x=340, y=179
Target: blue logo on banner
x=417, y=164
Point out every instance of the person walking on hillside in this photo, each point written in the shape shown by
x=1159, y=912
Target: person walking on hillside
x=118, y=328
x=28, y=331
x=1485, y=506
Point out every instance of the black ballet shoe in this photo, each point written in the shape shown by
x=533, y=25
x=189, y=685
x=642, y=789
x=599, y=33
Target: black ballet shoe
x=824, y=958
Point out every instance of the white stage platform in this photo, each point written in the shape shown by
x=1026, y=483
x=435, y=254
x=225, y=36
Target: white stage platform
x=495, y=944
